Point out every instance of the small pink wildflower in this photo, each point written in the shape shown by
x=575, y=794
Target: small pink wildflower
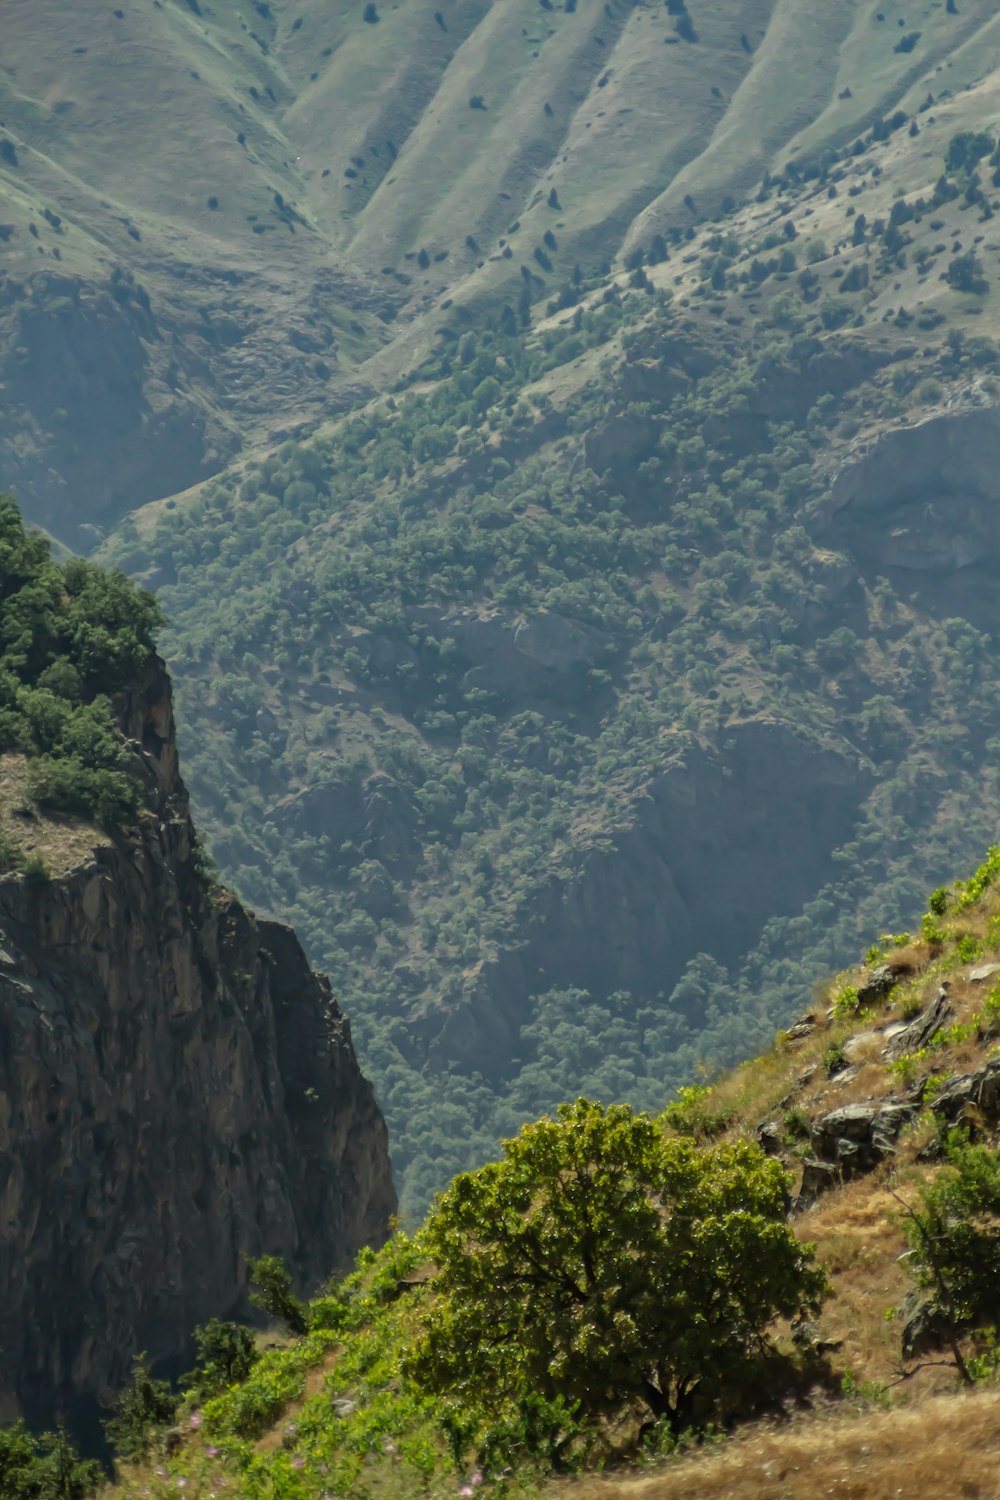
x=388, y=1446
x=476, y=1479
x=298, y=1462
x=182, y=1483
x=466, y=1492
x=160, y=1471
x=211, y=1451
x=196, y=1420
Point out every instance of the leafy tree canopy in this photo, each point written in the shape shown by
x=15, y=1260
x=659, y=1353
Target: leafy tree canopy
x=71, y=635
x=45, y=1468
x=599, y=1264
x=954, y=1237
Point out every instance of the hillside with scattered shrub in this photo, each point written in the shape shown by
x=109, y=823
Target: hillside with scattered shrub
x=224, y=220
x=787, y=1275
x=588, y=697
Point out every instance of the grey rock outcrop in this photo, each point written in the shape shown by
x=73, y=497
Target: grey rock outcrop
x=857, y=1137
x=971, y=1093
x=926, y=1025
x=177, y=1091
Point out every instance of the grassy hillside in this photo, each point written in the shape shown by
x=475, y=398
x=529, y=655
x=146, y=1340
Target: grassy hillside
x=222, y=220
x=579, y=699
x=860, y=1103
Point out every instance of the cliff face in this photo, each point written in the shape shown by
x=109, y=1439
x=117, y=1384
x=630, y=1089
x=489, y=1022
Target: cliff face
x=177, y=1091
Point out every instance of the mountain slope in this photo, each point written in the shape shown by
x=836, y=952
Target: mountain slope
x=223, y=219
x=574, y=698
x=888, y=1089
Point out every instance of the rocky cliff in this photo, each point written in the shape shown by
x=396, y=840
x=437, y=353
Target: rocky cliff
x=177, y=1091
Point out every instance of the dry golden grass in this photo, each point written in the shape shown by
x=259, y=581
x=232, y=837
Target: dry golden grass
x=858, y=1242
x=945, y=1447
x=63, y=843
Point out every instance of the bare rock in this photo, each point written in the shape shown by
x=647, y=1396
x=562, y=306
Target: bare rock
x=978, y=1091
x=800, y=1029
x=177, y=1091
x=925, y=1326
x=932, y=1019
x=877, y=985
x=817, y=1178
x=857, y=1137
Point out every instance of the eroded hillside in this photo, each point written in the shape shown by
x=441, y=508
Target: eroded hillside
x=220, y=219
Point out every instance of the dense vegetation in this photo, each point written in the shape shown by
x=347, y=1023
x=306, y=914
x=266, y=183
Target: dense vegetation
x=442, y=665
x=616, y=1289
x=71, y=636
x=601, y=1288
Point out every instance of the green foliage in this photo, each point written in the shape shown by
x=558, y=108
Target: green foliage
x=692, y=1113
x=272, y=1292
x=965, y=274
x=845, y=1002
x=344, y=615
x=140, y=1412
x=938, y=902
x=226, y=1354
x=44, y=1468
x=70, y=637
x=954, y=1235
x=599, y=1264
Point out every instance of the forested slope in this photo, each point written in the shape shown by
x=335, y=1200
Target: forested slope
x=576, y=698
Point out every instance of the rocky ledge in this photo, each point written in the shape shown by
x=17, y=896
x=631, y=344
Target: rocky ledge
x=178, y=1091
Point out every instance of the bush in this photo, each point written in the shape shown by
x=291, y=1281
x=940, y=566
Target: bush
x=954, y=1238
x=140, y=1411
x=965, y=274
x=44, y=1468
x=273, y=1293
x=70, y=637
x=226, y=1355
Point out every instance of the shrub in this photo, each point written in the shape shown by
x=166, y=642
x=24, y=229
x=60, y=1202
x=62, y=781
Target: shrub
x=954, y=1237
x=70, y=637
x=226, y=1355
x=140, y=1411
x=965, y=274
x=273, y=1293
x=44, y=1468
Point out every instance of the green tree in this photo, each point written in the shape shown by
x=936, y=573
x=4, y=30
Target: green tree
x=954, y=1237
x=598, y=1264
x=226, y=1355
x=139, y=1412
x=44, y=1468
x=273, y=1292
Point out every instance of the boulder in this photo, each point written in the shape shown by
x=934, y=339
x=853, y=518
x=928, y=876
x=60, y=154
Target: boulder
x=800, y=1029
x=858, y=1136
x=984, y=972
x=876, y=985
x=925, y=1326
x=919, y=1032
x=978, y=1091
x=817, y=1178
